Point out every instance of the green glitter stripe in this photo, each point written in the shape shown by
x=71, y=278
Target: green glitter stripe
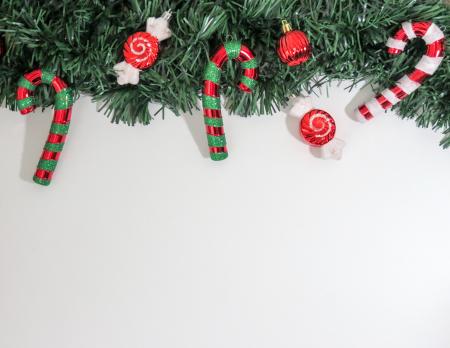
x=25, y=103
x=48, y=165
x=211, y=102
x=250, y=83
x=233, y=49
x=47, y=76
x=217, y=141
x=64, y=99
x=218, y=156
x=250, y=64
x=54, y=147
x=58, y=128
x=23, y=82
x=212, y=73
x=215, y=122
x=40, y=181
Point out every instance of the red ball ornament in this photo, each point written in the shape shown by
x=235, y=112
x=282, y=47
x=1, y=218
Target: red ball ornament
x=293, y=47
x=317, y=127
x=141, y=50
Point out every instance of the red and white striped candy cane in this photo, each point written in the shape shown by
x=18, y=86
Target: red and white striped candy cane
x=61, y=118
x=428, y=64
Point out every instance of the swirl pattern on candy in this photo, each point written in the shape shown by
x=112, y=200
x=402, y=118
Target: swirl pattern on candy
x=427, y=66
x=317, y=128
x=61, y=118
x=232, y=50
x=142, y=48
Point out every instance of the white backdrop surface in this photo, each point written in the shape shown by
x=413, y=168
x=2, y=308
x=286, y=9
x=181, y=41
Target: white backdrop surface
x=142, y=241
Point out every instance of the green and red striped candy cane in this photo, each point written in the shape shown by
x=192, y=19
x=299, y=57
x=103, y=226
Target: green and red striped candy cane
x=61, y=118
x=232, y=50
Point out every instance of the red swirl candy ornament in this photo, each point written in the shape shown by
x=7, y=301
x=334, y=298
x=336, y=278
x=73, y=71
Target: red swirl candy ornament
x=317, y=127
x=141, y=50
x=293, y=47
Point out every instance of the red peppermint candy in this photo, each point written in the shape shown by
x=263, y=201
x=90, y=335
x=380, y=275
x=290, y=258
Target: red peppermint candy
x=317, y=127
x=141, y=50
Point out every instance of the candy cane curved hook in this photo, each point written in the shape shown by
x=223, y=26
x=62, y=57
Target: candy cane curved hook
x=61, y=118
x=427, y=66
x=211, y=100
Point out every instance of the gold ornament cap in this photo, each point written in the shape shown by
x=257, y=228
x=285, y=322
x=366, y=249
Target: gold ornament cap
x=286, y=26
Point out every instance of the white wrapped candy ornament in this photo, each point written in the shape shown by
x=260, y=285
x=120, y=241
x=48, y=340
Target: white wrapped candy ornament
x=142, y=48
x=317, y=128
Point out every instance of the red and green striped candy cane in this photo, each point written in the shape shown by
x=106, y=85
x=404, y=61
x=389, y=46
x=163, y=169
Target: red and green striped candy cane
x=61, y=118
x=232, y=50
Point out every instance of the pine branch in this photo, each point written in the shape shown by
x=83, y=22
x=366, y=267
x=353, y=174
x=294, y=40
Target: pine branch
x=81, y=40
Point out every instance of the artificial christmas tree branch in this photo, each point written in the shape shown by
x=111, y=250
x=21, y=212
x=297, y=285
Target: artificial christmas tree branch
x=81, y=40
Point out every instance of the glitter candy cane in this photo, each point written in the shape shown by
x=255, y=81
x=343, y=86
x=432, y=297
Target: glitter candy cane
x=141, y=49
x=232, y=50
x=61, y=118
x=427, y=66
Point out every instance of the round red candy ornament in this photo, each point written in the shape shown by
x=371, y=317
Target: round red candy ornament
x=294, y=47
x=141, y=49
x=317, y=128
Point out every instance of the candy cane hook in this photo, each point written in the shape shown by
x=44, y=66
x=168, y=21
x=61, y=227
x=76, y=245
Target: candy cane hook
x=61, y=118
x=211, y=99
x=427, y=66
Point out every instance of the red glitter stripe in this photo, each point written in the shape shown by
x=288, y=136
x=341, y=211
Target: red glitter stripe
x=62, y=116
x=394, y=51
x=44, y=174
x=216, y=131
x=56, y=138
x=216, y=149
x=220, y=57
x=365, y=112
x=210, y=113
x=23, y=93
x=50, y=155
x=420, y=28
x=385, y=104
x=399, y=93
x=401, y=35
x=418, y=76
x=58, y=84
x=35, y=77
x=436, y=49
x=211, y=89
x=245, y=54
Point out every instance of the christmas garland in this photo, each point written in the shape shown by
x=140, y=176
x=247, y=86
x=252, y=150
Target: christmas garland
x=83, y=40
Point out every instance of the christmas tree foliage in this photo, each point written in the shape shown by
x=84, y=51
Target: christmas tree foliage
x=81, y=41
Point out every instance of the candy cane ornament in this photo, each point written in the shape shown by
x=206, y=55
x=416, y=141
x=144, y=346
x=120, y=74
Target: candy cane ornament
x=61, y=118
x=427, y=66
x=232, y=50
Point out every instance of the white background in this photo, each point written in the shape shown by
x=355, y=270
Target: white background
x=142, y=241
